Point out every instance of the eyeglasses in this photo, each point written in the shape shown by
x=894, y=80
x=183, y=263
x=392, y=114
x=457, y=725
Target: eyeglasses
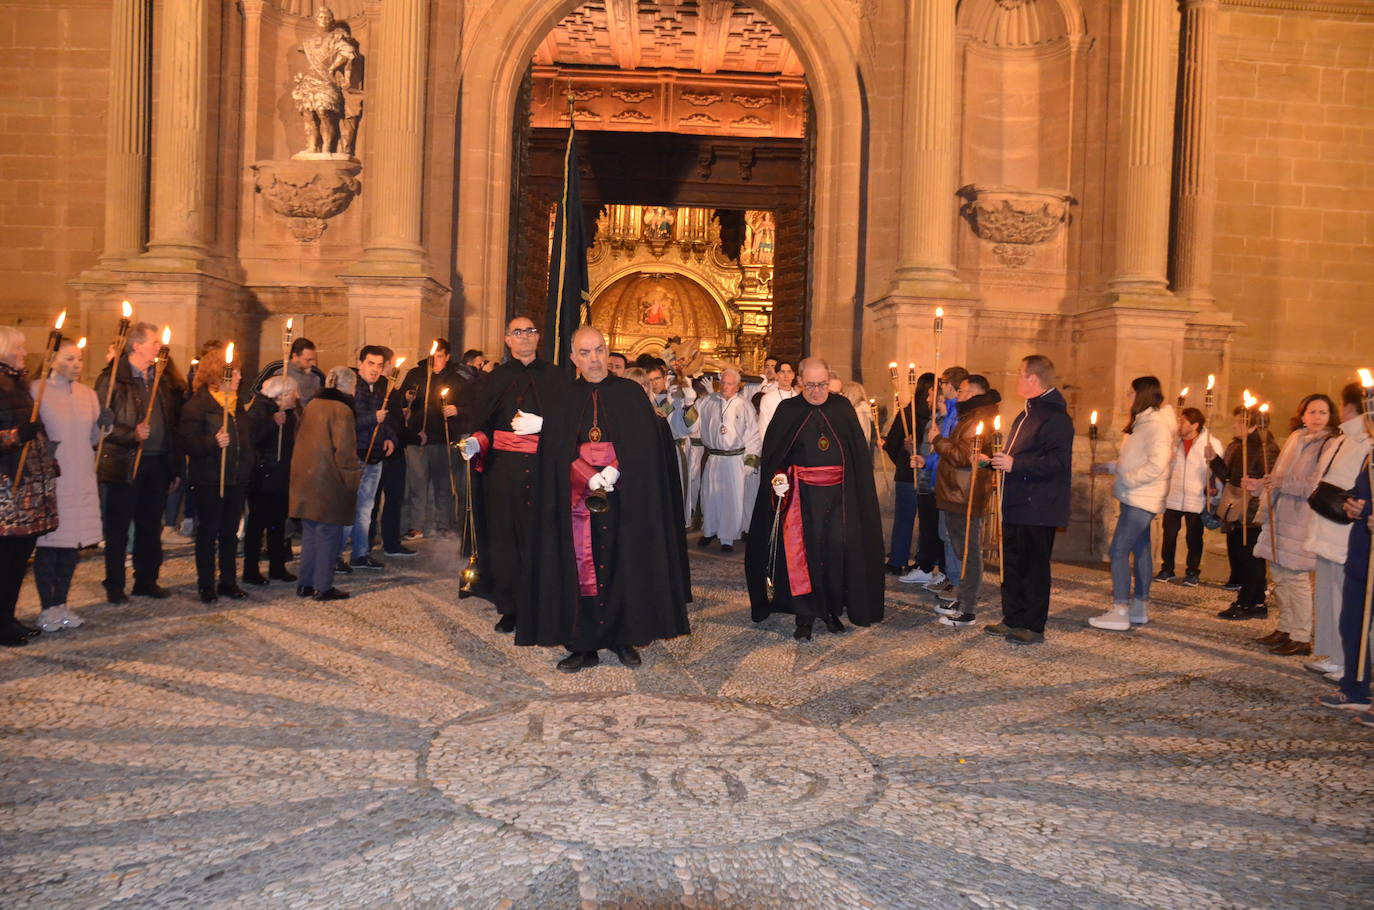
x=522, y=333
x=815, y=386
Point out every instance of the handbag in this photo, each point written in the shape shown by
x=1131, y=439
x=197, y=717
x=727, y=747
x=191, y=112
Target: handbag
x=1328, y=500
x=1209, y=517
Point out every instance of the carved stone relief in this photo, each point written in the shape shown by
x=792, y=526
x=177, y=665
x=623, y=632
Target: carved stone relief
x=701, y=99
x=632, y=96
x=1015, y=221
x=307, y=193
x=752, y=102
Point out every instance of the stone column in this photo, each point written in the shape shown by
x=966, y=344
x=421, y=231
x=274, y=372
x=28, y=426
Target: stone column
x=126, y=142
x=180, y=219
x=396, y=148
x=1197, y=182
x=1143, y=178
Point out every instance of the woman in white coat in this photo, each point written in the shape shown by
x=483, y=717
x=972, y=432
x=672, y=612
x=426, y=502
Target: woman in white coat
x=1189, y=479
x=1142, y=485
x=1287, y=520
x=72, y=415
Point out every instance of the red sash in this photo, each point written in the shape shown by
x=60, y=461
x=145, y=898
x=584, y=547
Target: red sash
x=794, y=538
x=591, y=458
x=507, y=441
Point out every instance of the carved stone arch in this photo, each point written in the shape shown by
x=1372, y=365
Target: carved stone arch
x=688, y=308
x=1016, y=24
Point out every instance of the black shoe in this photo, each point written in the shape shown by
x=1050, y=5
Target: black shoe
x=726, y=548
x=116, y=597
x=367, y=562
x=1165, y=575
x=231, y=590
x=208, y=595
x=401, y=550
x=1231, y=586
x=1191, y=580
x=254, y=578
x=24, y=629
x=803, y=630
x=156, y=592
x=958, y=619
x=331, y=594
x=894, y=570
x=279, y=573
x=343, y=567
x=506, y=624
x=628, y=655
x=577, y=660
x=305, y=591
x=705, y=541
x=1241, y=611
x=833, y=625
x=10, y=639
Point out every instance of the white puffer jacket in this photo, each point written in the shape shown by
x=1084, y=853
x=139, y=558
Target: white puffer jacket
x=1190, y=472
x=1142, y=466
x=1341, y=461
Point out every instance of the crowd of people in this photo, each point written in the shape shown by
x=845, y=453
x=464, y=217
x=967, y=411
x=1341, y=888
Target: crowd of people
x=573, y=494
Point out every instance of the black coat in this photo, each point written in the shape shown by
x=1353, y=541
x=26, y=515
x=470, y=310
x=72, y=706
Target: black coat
x=201, y=419
x=894, y=443
x=1040, y=442
x=461, y=382
x=863, y=538
x=270, y=474
x=646, y=597
x=130, y=406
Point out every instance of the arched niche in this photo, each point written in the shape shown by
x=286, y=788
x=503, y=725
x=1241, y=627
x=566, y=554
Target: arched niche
x=640, y=310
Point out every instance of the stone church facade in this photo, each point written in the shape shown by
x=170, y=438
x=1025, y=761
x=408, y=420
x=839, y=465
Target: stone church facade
x=1153, y=186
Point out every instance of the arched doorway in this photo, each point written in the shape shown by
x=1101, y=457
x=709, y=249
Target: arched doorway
x=823, y=34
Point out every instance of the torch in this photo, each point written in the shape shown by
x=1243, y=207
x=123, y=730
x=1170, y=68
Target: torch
x=226, y=385
x=452, y=481
x=939, y=330
x=1367, y=381
x=997, y=442
x=158, y=364
x=429, y=374
x=873, y=410
x=897, y=412
x=1092, y=483
x=49, y=355
x=972, y=482
x=1247, y=402
x=121, y=340
x=1262, y=421
x=1183, y=397
x=1211, y=399
x=386, y=393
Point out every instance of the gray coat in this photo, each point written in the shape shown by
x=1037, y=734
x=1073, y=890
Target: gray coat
x=1295, y=476
x=70, y=411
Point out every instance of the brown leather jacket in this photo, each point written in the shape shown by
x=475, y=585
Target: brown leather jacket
x=130, y=406
x=956, y=453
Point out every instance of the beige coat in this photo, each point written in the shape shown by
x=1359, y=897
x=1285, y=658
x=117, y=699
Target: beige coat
x=324, y=466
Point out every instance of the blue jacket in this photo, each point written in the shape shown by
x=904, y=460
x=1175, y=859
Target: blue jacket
x=946, y=427
x=1041, y=446
x=367, y=401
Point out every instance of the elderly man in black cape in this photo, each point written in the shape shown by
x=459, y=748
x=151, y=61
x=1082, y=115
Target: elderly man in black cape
x=815, y=542
x=504, y=446
x=604, y=569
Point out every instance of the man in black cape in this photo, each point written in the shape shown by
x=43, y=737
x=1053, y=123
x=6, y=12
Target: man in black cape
x=826, y=557
x=503, y=445
x=604, y=569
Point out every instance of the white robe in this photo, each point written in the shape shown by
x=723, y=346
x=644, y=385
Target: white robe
x=727, y=425
x=768, y=404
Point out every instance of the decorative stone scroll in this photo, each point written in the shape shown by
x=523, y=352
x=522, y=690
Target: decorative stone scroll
x=307, y=193
x=632, y=96
x=1015, y=221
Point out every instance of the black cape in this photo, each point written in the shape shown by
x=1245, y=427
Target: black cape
x=864, y=584
x=646, y=597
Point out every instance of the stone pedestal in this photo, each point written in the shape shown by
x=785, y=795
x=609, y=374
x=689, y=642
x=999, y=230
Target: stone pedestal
x=403, y=313
x=197, y=307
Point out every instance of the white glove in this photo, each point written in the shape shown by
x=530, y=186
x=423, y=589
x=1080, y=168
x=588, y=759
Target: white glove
x=604, y=479
x=526, y=424
x=689, y=394
x=780, y=485
x=469, y=448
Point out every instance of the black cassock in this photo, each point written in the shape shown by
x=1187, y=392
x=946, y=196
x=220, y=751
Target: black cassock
x=634, y=559
x=839, y=522
x=508, y=477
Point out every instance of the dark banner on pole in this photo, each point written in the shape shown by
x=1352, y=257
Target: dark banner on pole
x=569, y=302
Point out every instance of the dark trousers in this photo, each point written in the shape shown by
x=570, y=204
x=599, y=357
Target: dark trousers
x=14, y=562
x=392, y=490
x=53, y=568
x=903, y=523
x=930, y=549
x=1027, y=550
x=266, y=520
x=141, y=504
x=217, y=529
x=1352, y=622
x=1193, y=537
x=1247, y=568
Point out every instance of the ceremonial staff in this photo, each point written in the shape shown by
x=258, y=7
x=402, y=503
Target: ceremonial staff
x=939, y=331
x=121, y=340
x=429, y=374
x=1247, y=402
x=769, y=586
x=1263, y=423
x=285, y=358
x=972, y=481
x=897, y=412
x=997, y=441
x=226, y=386
x=873, y=411
x=158, y=364
x=1367, y=381
x=452, y=481
x=49, y=356
x=470, y=574
x=1092, y=484
x=389, y=381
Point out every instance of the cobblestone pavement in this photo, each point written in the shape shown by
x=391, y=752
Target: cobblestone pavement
x=393, y=751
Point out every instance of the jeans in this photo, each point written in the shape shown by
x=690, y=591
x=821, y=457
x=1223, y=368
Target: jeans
x=1132, y=538
x=971, y=569
x=360, y=533
x=953, y=554
x=53, y=568
x=1169, y=541
x=903, y=522
x=1026, y=591
x=320, y=545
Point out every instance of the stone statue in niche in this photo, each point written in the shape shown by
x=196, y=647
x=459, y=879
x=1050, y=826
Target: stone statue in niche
x=329, y=105
x=759, y=238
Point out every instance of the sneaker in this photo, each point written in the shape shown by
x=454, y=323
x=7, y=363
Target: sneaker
x=1165, y=575
x=1117, y=619
x=1337, y=676
x=1190, y=581
x=1323, y=666
x=949, y=608
x=1026, y=637
x=1231, y=586
x=401, y=550
x=998, y=628
x=366, y=562
x=69, y=619
x=50, y=619
x=943, y=586
x=1366, y=718
x=1342, y=701
x=1239, y=611
x=412, y=534
x=922, y=577
x=343, y=567
x=957, y=619
x=1140, y=612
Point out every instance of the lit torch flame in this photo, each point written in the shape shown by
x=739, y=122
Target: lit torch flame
x=978, y=430
x=81, y=343
x=1092, y=418
x=289, y=320
x=939, y=312
x=61, y=318
x=1264, y=408
x=167, y=336
x=997, y=424
x=1366, y=378
x=1211, y=381
x=128, y=310
x=1184, y=392
x=399, y=361
x=443, y=393
x=229, y=354
x=434, y=347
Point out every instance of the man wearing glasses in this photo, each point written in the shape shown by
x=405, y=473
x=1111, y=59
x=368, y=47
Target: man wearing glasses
x=504, y=446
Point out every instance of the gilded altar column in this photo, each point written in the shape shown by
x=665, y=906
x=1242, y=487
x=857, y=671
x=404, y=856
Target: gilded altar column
x=396, y=148
x=1197, y=181
x=180, y=218
x=126, y=142
x=1143, y=179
